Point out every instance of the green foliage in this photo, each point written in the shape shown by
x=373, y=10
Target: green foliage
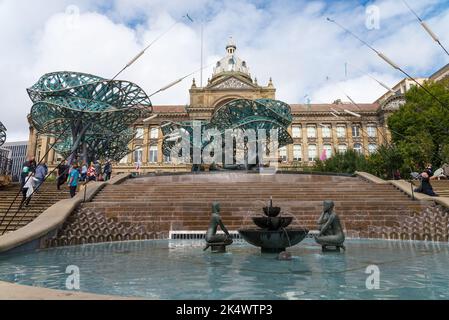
x=347, y=162
x=384, y=163
x=420, y=128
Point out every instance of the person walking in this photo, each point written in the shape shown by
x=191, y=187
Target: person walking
x=28, y=189
x=107, y=171
x=27, y=167
x=41, y=173
x=63, y=174
x=73, y=180
x=91, y=174
x=84, y=172
x=98, y=171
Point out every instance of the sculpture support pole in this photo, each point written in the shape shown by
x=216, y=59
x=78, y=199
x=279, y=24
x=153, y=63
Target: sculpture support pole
x=76, y=145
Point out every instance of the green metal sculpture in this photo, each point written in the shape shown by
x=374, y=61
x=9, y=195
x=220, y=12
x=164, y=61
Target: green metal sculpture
x=262, y=114
x=2, y=134
x=90, y=115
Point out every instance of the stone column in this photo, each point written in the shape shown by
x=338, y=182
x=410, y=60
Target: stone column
x=160, y=156
x=334, y=138
x=290, y=147
x=131, y=155
x=44, y=148
x=319, y=139
x=32, y=142
x=146, y=144
x=51, y=153
x=305, y=144
x=349, y=135
x=365, y=138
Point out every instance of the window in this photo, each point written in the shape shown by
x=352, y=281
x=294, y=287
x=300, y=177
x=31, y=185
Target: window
x=154, y=133
x=372, y=131
x=311, y=132
x=153, y=154
x=358, y=147
x=372, y=148
x=297, y=152
x=326, y=131
x=341, y=131
x=139, y=133
x=342, y=148
x=283, y=154
x=328, y=149
x=356, y=131
x=312, y=152
x=296, y=131
x=138, y=155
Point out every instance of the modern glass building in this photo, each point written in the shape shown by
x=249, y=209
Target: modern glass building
x=18, y=152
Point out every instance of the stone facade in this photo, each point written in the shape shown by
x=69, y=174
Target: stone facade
x=316, y=128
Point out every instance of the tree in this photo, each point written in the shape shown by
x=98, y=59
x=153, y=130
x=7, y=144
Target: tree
x=420, y=128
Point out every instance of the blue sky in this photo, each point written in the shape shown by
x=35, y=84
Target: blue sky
x=290, y=41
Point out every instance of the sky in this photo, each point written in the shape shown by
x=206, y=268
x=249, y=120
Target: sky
x=288, y=40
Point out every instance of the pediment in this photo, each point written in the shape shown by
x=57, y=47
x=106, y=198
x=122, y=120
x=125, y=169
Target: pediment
x=231, y=83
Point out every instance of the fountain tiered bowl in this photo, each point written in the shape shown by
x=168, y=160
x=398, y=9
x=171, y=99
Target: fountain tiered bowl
x=273, y=234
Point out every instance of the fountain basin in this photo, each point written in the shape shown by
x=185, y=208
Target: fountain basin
x=272, y=211
x=274, y=241
x=272, y=223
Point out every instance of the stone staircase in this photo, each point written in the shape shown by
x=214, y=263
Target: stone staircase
x=441, y=187
x=151, y=207
x=46, y=197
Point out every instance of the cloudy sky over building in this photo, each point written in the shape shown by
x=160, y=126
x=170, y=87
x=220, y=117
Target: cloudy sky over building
x=290, y=41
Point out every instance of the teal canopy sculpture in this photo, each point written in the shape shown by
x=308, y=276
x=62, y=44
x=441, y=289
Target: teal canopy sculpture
x=2, y=134
x=262, y=114
x=92, y=114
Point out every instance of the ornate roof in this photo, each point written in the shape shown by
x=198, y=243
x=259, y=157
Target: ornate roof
x=231, y=62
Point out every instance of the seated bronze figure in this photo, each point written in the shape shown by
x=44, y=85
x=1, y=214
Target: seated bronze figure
x=331, y=231
x=218, y=242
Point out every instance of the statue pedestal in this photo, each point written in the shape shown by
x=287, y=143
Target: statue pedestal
x=219, y=247
x=333, y=248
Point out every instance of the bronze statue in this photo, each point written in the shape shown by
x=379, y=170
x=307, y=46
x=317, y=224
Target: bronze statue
x=331, y=231
x=218, y=242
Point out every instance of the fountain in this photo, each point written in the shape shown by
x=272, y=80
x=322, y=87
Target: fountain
x=273, y=234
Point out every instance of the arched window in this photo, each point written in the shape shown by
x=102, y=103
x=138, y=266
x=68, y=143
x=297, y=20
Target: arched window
x=372, y=148
x=358, y=147
x=328, y=149
x=342, y=148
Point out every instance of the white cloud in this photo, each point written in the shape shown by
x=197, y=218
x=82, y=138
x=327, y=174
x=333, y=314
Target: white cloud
x=290, y=41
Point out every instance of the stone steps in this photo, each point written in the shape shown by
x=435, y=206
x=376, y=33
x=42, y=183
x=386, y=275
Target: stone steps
x=175, y=203
x=46, y=197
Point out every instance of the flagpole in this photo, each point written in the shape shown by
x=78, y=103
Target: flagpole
x=202, y=53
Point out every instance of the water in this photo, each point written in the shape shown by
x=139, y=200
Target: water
x=181, y=270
